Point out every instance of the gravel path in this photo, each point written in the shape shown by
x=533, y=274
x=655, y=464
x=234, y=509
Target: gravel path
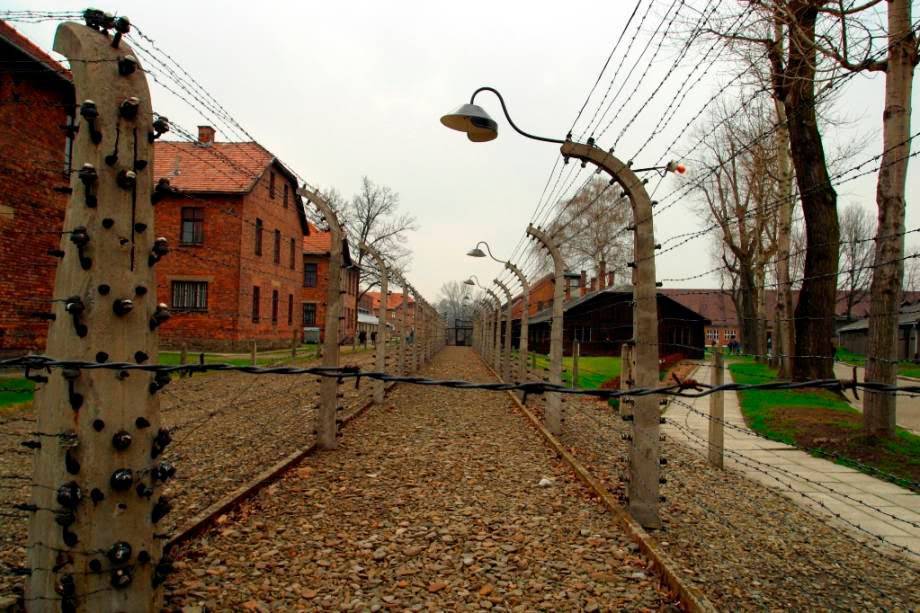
x=431, y=502
x=744, y=545
x=227, y=428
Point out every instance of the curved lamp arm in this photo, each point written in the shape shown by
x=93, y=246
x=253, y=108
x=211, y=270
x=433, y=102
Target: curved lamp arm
x=508, y=117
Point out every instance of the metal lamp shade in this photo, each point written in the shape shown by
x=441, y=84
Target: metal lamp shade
x=476, y=252
x=473, y=120
x=469, y=282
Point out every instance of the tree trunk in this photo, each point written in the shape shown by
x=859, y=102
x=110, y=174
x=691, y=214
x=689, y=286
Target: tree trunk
x=747, y=302
x=881, y=361
x=814, y=314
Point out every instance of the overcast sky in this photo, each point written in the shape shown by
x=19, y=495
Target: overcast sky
x=342, y=90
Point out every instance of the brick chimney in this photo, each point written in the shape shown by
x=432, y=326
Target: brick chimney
x=583, y=283
x=205, y=135
x=602, y=274
x=611, y=276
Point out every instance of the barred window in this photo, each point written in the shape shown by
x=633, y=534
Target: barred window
x=256, y=299
x=274, y=306
x=190, y=295
x=309, y=313
x=192, y=226
x=309, y=274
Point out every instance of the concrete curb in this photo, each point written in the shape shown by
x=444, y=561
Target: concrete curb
x=690, y=597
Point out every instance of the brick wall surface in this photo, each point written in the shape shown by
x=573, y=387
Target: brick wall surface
x=32, y=163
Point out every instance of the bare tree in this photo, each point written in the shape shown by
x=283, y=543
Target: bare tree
x=372, y=216
x=455, y=301
x=592, y=228
x=856, y=255
x=738, y=193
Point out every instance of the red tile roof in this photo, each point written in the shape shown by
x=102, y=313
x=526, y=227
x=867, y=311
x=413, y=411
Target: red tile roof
x=394, y=301
x=317, y=242
x=9, y=34
x=222, y=168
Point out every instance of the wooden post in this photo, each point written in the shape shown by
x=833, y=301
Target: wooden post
x=644, y=453
x=254, y=353
x=576, y=352
x=380, y=348
x=86, y=483
x=554, y=417
x=717, y=411
x=326, y=427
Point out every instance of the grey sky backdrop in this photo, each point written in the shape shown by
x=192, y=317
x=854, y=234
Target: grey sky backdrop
x=341, y=90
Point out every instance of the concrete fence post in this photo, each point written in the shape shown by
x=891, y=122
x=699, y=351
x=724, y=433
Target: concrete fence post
x=98, y=474
x=627, y=379
x=506, y=358
x=644, y=453
x=404, y=329
x=381, y=347
x=326, y=426
x=554, y=416
x=717, y=411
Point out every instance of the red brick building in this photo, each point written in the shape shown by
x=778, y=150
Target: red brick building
x=394, y=304
x=235, y=229
x=316, y=279
x=36, y=104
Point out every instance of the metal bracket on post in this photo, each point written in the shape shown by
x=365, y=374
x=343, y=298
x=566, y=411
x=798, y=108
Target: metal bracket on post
x=554, y=417
x=112, y=422
x=644, y=453
x=380, y=349
x=326, y=430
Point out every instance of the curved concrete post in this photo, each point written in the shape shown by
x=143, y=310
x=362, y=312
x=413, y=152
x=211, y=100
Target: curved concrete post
x=525, y=318
x=496, y=352
x=554, y=417
x=326, y=428
x=380, y=350
x=506, y=358
x=644, y=453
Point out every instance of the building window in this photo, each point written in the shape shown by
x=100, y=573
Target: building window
x=258, y=236
x=274, y=307
x=277, y=247
x=255, y=304
x=309, y=274
x=271, y=185
x=290, y=309
x=293, y=253
x=192, y=226
x=309, y=314
x=285, y=195
x=190, y=295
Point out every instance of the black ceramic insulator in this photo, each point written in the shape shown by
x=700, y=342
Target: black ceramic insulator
x=163, y=472
x=119, y=553
x=66, y=586
x=104, y=290
x=141, y=422
x=161, y=190
x=71, y=463
x=160, y=380
x=102, y=357
x=121, y=578
x=95, y=566
x=160, y=316
x=160, y=126
x=140, y=357
x=122, y=479
x=70, y=538
x=126, y=179
x=127, y=65
x=122, y=306
x=96, y=495
x=129, y=107
x=143, y=556
x=121, y=440
x=160, y=509
x=160, y=441
x=64, y=518
x=140, y=290
x=140, y=228
x=108, y=223
x=143, y=490
x=98, y=425
x=160, y=248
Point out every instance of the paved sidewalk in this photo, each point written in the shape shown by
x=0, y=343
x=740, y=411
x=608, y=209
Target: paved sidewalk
x=908, y=405
x=866, y=505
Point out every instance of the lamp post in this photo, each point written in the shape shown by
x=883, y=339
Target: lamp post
x=644, y=452
x=476, y=252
